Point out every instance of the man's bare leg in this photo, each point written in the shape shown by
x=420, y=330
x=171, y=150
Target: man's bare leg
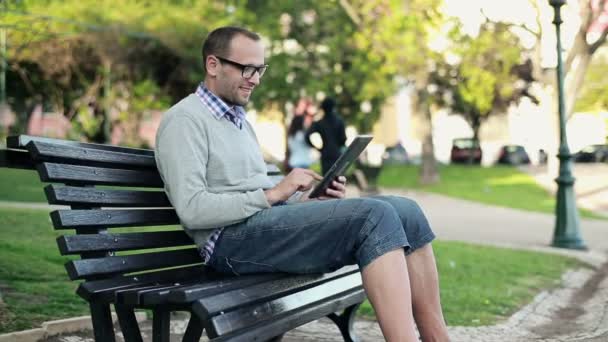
x=424, y=283
x=387, y=285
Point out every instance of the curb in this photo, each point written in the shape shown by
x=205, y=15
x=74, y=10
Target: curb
x=58, y=327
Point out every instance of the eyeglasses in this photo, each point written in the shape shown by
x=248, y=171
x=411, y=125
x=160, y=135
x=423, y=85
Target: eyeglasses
x=247, y=71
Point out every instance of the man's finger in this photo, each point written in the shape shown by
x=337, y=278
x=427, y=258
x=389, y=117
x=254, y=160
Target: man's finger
x=313, y=174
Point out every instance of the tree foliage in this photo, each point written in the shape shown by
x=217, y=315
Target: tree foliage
x=487, y=75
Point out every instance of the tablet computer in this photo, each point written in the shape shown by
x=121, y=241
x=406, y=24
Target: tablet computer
x=348, y=157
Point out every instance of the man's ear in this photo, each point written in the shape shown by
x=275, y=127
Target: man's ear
x=212, y=65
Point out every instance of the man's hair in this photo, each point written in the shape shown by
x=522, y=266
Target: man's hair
x=218, y=41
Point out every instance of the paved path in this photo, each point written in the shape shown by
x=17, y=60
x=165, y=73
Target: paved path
x=577, y=311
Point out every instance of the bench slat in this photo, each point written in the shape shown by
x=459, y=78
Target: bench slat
x=78, y=174
x=266, y=330
x=16, y=159
x=81, y=269
x=228, y=301
x=73, y=195
x=85, y=218
x=75, y=244
x=43, y=151
x=270, y=310
x=21, y=141
x=199, y=290
x=212, y=285
x=103, y=290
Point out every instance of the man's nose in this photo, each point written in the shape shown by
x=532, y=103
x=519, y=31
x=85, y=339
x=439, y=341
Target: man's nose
x=255, y=78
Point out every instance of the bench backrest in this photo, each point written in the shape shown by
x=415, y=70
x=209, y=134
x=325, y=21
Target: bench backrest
x=109, y=190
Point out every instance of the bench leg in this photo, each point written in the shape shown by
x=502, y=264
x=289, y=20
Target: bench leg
x=345, y=322
x=160, y=325
x=128, y=323
x=276, y=338
x=102, y=322
x=194, y=331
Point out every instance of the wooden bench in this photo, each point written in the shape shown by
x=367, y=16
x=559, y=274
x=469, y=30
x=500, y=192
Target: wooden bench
x=114, y=205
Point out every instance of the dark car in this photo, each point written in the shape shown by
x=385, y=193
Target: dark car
x=395, y=155
x=513, y=155
x=592, y=154
x=465, y=150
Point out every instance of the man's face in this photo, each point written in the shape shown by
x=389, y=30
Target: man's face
x=231, y=86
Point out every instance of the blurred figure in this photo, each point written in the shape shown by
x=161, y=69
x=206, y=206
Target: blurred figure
x=297, y=145
x=332, y=132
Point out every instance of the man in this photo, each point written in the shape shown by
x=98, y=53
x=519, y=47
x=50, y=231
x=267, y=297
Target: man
x=215, y=177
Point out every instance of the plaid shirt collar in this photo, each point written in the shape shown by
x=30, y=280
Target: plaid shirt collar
x=219, y=108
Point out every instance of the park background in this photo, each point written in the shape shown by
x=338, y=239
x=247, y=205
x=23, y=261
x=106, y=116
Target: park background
x=420, y=73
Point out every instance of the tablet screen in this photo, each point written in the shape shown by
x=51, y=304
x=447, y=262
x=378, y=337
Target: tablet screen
x=346, y=159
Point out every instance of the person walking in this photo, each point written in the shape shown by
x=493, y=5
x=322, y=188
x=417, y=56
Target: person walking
x=333, y=134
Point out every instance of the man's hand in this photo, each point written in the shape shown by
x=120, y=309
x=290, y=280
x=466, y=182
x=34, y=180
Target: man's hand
x=337, y=189
x=296, y=180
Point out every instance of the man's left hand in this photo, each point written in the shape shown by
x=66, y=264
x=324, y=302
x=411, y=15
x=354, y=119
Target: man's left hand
x=337, y=189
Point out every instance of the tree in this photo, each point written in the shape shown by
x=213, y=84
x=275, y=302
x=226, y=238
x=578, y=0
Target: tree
x=397, y=35
x=590, y=36
x=488, y=77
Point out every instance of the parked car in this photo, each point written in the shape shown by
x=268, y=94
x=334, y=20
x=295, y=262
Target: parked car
x=465, y=150
x=592, y=154
x=395, y=155
x=513, y=155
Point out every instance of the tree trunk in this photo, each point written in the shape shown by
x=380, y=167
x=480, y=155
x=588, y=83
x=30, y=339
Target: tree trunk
x=428, y=169
x=576, y=77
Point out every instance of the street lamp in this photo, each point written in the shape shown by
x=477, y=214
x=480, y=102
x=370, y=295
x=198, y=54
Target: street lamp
x=566, y=234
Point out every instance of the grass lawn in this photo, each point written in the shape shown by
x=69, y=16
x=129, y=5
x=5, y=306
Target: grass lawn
x=479, y=285
x=497, y=185
x=21, y=185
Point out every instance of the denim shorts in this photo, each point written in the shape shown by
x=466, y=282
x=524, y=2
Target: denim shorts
x=321, y=236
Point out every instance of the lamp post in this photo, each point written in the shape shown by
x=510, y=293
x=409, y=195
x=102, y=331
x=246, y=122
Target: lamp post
x=566, y=234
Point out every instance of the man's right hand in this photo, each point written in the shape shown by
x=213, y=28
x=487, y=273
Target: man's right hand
x=296, y=180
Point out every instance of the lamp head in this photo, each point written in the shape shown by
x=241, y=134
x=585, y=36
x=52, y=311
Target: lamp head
x=557, y=3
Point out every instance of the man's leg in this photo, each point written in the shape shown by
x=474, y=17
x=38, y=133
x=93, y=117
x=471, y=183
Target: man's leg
x=387, y=286
x=422, y=269
x=424, y=284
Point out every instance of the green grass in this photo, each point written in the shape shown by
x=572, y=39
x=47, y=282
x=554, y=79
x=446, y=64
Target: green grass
x=21, y=185
x=33, y=282
x=498, y=185
x=479, y=285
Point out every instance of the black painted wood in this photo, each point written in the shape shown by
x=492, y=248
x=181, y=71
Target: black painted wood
x=83, y=175
x=288, y=320
x=90, y=218
x=21, y=141
x=189, y=294
x=66, y=154
x=160, y=325
x=264, y=292
x=81, y=269
x=102, y=322
x=128, y=323
x=345, y=322
x=194, y=331
x=16, y=159
x=269, y=310
x=103, y=290
x=72, y=195
x=75, y=244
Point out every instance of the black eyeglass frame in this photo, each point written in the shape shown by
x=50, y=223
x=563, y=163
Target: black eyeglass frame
x=259, y=69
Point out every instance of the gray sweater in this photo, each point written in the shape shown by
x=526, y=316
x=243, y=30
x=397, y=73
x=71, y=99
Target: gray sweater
x=214, y=173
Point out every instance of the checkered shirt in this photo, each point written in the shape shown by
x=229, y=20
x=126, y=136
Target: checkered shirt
x=236, y=115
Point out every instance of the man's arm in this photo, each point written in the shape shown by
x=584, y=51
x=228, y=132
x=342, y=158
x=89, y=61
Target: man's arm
x=181, y=152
